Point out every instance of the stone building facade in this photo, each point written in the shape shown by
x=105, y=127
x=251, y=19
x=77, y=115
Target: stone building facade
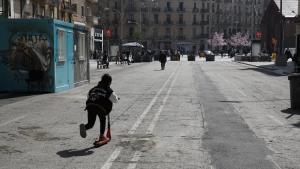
x=180, y=24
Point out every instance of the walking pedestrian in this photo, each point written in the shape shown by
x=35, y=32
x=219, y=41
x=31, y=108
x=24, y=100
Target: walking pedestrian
x=105, y=61
x=99, y=103
x=128, y=53
x=162, y=59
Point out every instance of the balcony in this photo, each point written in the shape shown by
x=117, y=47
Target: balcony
x=131, y=9
x=180, y=9
x=131, y=21
x=202, y=36
x=167, y=37
x=115, y=21
x=155, y=9
x=92, y=20
x=69, y=8
x=195, y=23
x=92, y=1
x=180, y=37
x=144, y=9
x=181, y=23
x=203, y=10
x=195, y=10
x=168, y=23
x=204, y=22
x=168, y=9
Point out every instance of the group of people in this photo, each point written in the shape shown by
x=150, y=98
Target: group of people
x=123, y=58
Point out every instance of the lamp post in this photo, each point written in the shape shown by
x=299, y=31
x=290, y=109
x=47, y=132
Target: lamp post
x=120, y=13
x=280, y=59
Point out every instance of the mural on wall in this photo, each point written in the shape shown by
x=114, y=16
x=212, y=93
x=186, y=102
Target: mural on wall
x=30, y=53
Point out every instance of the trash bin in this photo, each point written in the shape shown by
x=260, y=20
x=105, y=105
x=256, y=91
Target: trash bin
x=295, y=90
x=191, y=57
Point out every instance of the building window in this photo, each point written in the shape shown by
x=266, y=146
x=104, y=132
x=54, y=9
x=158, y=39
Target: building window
x=1, y=7
x=168, y=5
x=62, y=45
x=168, y=32
x=194, y=19
x=81, y=46
x=180, y=32
x=180, y=18
x=131, y=31
x=82, y=11
x=156, y=18
x=168, y=18
x=181, y=6
x=213, y=8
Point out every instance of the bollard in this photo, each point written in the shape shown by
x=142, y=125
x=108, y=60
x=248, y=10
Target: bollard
x=295, y=90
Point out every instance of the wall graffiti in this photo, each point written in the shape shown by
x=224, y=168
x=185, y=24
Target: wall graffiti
x=31, y=53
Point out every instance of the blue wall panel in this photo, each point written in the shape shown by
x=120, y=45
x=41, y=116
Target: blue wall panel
x=28, y=56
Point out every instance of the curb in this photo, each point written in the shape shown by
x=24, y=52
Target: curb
x=265, y=68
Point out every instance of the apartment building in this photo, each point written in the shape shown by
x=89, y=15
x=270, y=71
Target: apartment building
x=180, y=24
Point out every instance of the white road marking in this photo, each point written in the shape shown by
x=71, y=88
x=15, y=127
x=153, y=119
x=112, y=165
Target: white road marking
x=156, y=117
x=276, y=120
x=112, y=158
x=271, y=160
x=142, y=116
x=153, y=123
x=203, y=116
x=232, y=84
x=13, y=120
x=136, y=157
x=118, y=150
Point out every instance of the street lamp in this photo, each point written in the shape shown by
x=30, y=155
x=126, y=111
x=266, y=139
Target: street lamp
x=121, y=19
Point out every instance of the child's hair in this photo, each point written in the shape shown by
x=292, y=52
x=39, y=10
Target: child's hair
x=105, y=80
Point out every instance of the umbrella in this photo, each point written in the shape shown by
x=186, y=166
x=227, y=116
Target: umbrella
x=133, y=44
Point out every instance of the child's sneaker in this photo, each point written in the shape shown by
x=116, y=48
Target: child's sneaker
x=82, y=130
x=102, y=140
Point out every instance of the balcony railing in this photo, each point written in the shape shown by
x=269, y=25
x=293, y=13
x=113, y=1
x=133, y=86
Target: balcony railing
x=196, y=10
x=131, y=21
x=168, y=23
x=180, y=23
x=204, y=10
x=180, y=9
x=144, y=9
x=195, y=23
x=156, y=9
x=202, y=36
x=180, y=37
x=131, y=9
x=204, y=22
x=167, y=37
x=168, y=9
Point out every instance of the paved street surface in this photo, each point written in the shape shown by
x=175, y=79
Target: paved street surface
x=193, y=115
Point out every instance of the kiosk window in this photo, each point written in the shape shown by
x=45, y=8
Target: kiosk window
x=62, y=45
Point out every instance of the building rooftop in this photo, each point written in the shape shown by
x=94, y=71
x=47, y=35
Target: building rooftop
x=289, y=7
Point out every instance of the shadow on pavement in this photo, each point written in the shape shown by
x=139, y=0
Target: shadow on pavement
x=263, y=70
x=291, y=112
x=73, y=152
x=297, y=124
x=8, y=95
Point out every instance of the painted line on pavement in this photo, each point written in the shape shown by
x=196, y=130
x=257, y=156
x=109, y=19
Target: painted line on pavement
x=269, y=157
x=13, y=120
x=156, y=117
x=136, y=157
x=112, y=158
x=154, y=121
x=142, y=116
x=234, y=85
x=118, y=150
